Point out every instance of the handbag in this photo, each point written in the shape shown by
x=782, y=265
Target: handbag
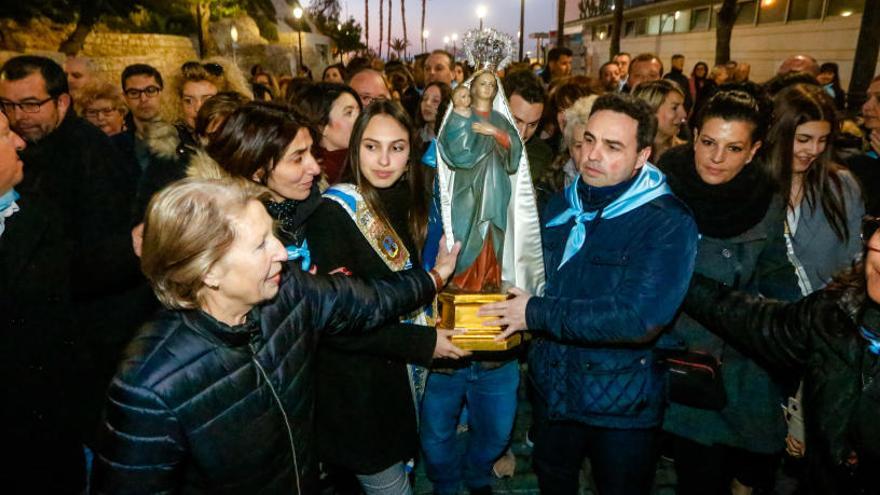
x=694, y=379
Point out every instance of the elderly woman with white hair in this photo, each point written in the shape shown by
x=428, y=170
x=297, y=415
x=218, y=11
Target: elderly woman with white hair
x=216, y=394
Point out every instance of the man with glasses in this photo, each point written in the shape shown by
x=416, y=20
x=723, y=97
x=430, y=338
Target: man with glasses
x=66, y=274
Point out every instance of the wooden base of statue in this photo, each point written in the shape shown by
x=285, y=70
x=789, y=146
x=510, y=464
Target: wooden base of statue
x=459, y=310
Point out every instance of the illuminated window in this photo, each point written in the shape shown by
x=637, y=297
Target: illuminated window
x=845, y=8
x=700, y=20
x=772, y=11
x=682, y=21
x=667, y=23
x=653, y=24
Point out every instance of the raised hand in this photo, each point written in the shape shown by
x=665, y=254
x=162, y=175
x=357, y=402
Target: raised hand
x=446, y=258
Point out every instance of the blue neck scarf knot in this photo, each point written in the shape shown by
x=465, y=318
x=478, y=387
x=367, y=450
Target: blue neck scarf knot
x=649, y=185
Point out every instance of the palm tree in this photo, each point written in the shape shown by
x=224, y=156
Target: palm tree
x=422, y=31
x=616, y=28
x=367, y=23
x=399, y=45
x=403, y=18
x=381, y=28
x=389, y=30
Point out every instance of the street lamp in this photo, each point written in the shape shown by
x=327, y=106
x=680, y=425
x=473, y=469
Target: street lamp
x=454, y=39
x=446, y=42
x=233, y=33
x=481, y=13
x=425, y=34
x=297, y=14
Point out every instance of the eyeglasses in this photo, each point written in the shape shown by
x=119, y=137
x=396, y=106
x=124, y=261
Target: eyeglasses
x=870, y=224
x=94, y=112
x=150, y=91
x=25, y=106
x=212, y=68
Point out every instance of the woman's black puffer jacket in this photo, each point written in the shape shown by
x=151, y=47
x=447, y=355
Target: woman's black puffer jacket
x=201, y=407
x=817, y=338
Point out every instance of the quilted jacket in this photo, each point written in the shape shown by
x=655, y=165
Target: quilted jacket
x=201, y=407
x=592, y=360
x=818, y=339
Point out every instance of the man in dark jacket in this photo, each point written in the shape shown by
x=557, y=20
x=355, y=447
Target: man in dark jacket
x=866, y=166
x=676, y=75
x=65, y=268
x=619, y=250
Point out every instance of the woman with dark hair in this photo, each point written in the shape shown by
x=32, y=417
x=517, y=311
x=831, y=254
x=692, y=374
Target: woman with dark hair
x=667, y=99
x=824, y=211
x=824, y=200
x=700, y=86
x=331, y=110
x=435, y=99
x=740, y=219
x=369, y=388
x=829, y=78
x=831, y=339
x=268, y=143
x=334, y=74
x=559, y=98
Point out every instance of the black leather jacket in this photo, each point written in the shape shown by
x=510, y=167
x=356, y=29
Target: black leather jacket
x=201, y=407
x=817, y=338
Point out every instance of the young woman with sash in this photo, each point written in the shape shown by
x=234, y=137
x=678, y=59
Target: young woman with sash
x=368, y=389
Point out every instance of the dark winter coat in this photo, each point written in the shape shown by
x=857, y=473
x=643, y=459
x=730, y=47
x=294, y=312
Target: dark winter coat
x=866, y=168
x=592, y=359
x=752, y=260
x=43, y=356
x=365, y=415
x=68, y=302
x=201, y=407
x=818, y=339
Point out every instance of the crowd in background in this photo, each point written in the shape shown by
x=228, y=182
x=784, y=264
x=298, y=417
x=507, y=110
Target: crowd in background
x=775, y=174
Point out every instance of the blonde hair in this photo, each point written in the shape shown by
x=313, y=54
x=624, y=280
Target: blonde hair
x=655, y=92
x=577, y=115
x=188, y=227
x=100, y=90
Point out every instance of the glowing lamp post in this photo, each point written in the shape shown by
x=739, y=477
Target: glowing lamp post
x=481, y=13
x=297, y=14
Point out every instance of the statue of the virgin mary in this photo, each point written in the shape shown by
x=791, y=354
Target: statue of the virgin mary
x=487, y=200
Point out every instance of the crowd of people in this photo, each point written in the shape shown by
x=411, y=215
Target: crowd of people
x=214, y=283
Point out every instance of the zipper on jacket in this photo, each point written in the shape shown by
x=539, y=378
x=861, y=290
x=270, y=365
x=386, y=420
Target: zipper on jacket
x=262, y=372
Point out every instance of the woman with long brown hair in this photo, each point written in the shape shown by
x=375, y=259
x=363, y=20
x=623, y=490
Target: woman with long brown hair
x=369, y=388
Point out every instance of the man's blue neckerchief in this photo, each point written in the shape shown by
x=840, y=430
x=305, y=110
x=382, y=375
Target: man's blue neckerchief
x=300, y=253
x=873, y=154
x=7, y=199
x=873, y=339
x=650, y=185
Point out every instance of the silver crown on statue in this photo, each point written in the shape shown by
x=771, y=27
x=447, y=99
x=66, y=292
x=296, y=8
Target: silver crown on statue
x=488, y=49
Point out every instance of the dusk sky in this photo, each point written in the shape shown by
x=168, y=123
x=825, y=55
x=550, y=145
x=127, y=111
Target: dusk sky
x=444, y=17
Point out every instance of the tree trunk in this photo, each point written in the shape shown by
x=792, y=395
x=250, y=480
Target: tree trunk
x=522, y=25
x=865, y=59
x=367, y=24
x=389, y=29
x=560, y=22
x=88, y=17
x=726, y=18
x=381, y=25
x=202, y=15
x=422, y=31
x=403, y=19
x=616, y=29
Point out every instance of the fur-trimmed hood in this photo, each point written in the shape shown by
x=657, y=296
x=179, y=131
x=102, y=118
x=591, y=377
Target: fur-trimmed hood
x=162, y=139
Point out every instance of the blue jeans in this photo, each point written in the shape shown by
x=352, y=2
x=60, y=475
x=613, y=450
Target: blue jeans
x=490, y=395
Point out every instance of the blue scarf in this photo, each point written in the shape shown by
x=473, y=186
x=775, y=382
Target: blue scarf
x=300, y=253
x=873, y=339
x=7, y=199
x=649, y=185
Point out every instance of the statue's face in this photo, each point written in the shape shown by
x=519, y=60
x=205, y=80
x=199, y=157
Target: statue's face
x=483, y=87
